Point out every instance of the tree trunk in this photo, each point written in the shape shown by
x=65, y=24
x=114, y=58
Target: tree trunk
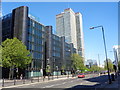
x=10, y=72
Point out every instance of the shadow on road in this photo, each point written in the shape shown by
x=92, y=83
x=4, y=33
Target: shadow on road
x=100, y=80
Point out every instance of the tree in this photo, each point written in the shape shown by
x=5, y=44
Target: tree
x=77, y=61
x=15, y=55
x=101, y=69
x=94, y=68
x=63, y=67
x=48, y=70
x=0, y=56
x=119, y=65
x=110, y=65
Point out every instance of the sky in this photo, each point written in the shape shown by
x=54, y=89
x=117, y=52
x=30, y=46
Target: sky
x=93, y=13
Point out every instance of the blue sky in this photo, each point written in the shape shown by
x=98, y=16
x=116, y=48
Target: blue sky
x=94, y=14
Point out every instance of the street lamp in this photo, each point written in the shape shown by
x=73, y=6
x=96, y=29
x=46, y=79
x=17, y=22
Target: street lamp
x=115, y=62
x=105, y=50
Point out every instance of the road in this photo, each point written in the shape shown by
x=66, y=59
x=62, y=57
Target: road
x=90, y=81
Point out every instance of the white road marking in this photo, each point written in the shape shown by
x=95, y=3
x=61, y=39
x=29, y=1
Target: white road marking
x=49, y=86
x=59, y=84
x=64, y=82
x=32, y=85
x=53, y=85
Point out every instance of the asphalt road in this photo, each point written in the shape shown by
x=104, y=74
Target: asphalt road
x=90, y=81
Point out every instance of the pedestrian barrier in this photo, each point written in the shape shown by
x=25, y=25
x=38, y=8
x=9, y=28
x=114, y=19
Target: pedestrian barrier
x=31, y=80
x=25, y=80
x=38, y=78
x=14, y=80
x=3, y=82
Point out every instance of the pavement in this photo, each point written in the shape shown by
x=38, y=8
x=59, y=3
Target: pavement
x=63, y=82
x=93, y=81
x=114, y=84
x=17, y=82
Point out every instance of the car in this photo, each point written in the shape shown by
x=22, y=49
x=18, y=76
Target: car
x=81, y=75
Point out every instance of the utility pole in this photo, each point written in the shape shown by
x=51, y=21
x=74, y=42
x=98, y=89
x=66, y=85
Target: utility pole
x=105, y=51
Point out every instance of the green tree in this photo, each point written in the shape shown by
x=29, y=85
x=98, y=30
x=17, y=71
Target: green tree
x=101, y=69
x=77, y=61
x=48, y=69
x=119, y=65
x=0, y=56
x=94, y=68
x=110, y=65
x=15, y=55
x=63, y=67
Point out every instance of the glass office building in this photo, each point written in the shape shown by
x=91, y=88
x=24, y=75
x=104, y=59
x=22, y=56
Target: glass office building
x=34, y=35
x=35, y=43
x=6, y=26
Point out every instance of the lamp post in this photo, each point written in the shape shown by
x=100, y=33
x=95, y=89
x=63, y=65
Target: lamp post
x=105, y=51
x=115, y=66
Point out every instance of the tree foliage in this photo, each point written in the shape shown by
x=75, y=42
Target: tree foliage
x=15, y=54
x=94, y=68
x=119, y=65
x=77, y=61
x=48, y=68
x=0, y=55
x=110, y=65
x=63, y=67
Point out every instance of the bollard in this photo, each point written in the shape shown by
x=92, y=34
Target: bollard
x=68, y=74
x=57, y=74
x=23, y=80
x=48, y=77
x=31, y=80
x=43, y=78
x=3, y=82
x=38, y=78
x=52, y=76
x=14, y=81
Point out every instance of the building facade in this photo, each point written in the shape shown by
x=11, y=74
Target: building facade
x=116, y=50
x=59, y=51
x=45, y=47
x=90, y=63
x=69, y=24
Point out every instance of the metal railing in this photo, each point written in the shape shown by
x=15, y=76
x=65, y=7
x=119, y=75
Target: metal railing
x=24, y=80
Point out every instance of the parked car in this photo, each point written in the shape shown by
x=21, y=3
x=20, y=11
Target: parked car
x=81, y=75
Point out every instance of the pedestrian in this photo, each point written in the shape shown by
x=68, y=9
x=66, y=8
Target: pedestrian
x=21, y=76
